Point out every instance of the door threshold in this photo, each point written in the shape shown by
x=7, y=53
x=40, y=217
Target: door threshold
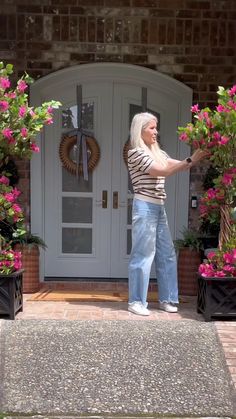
x=71, y=279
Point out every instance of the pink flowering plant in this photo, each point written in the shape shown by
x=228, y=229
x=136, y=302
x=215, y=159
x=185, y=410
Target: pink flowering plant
x=19, y=125
x=10, y=261
x=214, y=130
x=20, y=122
x=11, y=213
x=220, y=263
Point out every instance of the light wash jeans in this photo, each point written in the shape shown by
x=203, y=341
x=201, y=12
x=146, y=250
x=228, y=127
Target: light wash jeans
x=151, y=239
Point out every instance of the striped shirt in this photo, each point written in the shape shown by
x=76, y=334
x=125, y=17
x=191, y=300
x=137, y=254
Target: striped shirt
x=145, y=186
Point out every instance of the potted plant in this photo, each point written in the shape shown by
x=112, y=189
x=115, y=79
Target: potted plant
x=11, y=286
x=19, y=125
x=215, y=131
x=189, y=257
x=29, y=245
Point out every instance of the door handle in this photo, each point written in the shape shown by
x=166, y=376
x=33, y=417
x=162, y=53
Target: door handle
x=104, y=199
x=115, y=200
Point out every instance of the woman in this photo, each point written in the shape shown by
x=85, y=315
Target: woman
x=151, y=239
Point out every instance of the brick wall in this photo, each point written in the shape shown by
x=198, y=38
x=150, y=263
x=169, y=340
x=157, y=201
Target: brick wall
x=191, y=40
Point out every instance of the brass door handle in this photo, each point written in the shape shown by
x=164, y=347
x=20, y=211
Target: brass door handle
x=115, y=200
x=104, y=199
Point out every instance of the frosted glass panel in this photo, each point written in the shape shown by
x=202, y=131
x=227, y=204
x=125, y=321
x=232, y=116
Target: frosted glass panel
x=77, y=210
x=70, y=183
x=76, y=240
x=69, y=116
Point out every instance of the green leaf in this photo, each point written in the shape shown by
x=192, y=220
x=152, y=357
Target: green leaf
x=9, y=68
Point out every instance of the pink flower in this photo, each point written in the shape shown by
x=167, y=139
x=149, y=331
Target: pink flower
x=4, y=180
x=216, y=135
x=9, y=197
x=17, y=208
x=11, y=95
x=228, y=258
x=211, y=193
x=21, y=86
x=16, y=192
x=232, y=91
x=22, y=111
x=195, y=109
x=227, y=179
x=50, y=110
x=34, y=148
x=24, y=132
x=4, y=83
x=8, y=263
x=17, y=265
x=49, y=121
x=206, y=270
x=7, y=132
x=224, y=140
x=211, y=255
x=221, y=108
x=32, y=113
x=219, y=274
x=229, y=269
x=232, y=104
x=234, y=255
x=4, y=105
x=183, y=137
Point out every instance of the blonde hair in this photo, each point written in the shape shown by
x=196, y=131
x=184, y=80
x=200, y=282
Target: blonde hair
x=140, y=122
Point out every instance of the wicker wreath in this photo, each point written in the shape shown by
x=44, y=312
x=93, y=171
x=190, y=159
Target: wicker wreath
x=93, y=152
x=126, y=148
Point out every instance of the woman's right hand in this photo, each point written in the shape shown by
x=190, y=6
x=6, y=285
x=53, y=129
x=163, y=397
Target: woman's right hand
x=199, y=155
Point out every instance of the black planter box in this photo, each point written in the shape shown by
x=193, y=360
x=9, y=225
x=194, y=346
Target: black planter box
x=216, y=297
x=11, y=294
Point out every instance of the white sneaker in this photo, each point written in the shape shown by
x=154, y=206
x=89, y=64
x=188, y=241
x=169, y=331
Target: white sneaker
x=169, y=307
x=138, y=308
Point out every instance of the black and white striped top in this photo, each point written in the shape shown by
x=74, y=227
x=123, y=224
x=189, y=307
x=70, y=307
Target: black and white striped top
x=146, y=187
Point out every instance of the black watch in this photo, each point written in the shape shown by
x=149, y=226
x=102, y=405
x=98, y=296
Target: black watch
x=189, y=160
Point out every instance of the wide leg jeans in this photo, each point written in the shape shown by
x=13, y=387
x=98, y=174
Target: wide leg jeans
x=151, y=239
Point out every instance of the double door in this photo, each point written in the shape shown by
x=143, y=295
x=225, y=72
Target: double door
x=88, y=223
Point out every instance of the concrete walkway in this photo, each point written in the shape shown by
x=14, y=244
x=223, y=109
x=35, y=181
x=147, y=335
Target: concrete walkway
x=121, y=365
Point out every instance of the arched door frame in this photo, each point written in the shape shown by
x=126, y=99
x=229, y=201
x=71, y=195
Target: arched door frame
x=124, y=73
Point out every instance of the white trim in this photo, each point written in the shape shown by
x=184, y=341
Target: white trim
x=124, y=73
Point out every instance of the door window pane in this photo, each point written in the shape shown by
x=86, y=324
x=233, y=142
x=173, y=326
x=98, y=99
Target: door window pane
x=77, y=240
x=133, y=109
x=72, y=183
x=69, y=116
x=77, y=210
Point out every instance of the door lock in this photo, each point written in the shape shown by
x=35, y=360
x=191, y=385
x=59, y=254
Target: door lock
x=104, y=199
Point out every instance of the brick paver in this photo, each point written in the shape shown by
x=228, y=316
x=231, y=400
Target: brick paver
x=118, y=311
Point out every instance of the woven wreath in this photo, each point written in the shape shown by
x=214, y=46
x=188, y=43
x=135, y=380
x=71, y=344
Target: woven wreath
x=93, y=152
x=126, y=148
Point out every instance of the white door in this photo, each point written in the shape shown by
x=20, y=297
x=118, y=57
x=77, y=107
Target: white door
x=87, y=224
x=77, y=222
